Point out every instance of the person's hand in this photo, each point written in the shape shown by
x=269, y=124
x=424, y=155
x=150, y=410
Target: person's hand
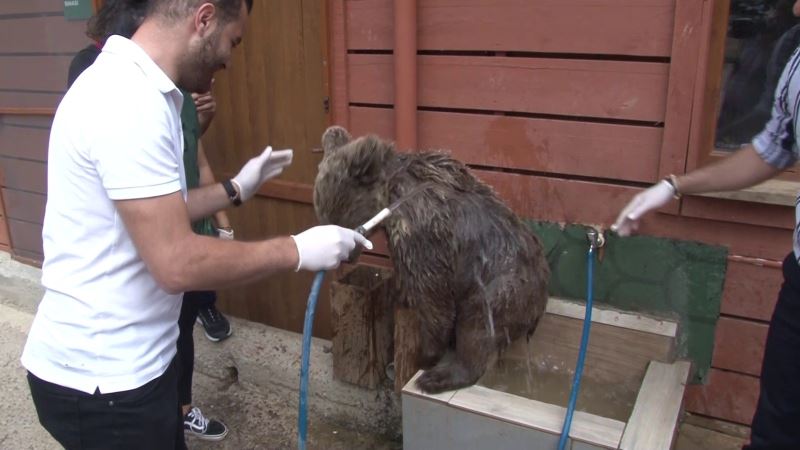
x=324, y=247
x=226, y=234
x=654, y=197
x=268, y=164
x=206, y=108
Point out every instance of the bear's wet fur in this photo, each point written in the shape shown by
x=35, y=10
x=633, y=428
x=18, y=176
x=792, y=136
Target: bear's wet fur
x=474, y=272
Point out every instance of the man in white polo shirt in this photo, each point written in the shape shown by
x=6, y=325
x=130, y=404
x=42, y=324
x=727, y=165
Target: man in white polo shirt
x=119, y=250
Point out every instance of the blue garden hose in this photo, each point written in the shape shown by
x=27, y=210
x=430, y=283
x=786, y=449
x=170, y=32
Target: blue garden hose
x=587, y=322
x=308, y=323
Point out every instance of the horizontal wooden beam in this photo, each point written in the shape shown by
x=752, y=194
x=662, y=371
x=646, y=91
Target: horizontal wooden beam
x=606, y=27
x=623, y=319
x=728, y=396
x=619, y=90
x=21, y=111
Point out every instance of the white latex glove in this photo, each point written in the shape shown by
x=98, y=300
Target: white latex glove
x=225, y=235
x=268, y=164
x=324, y=247
x=654, y=197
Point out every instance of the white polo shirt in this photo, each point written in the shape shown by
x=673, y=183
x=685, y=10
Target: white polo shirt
x=104, y=323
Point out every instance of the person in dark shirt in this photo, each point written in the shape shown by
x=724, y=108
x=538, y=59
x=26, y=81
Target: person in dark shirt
x=115, y=17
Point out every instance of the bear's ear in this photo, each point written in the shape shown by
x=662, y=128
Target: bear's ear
x=368, y=159
x=333, y=138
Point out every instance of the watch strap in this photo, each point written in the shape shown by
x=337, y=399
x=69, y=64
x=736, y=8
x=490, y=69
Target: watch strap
x=233, y=194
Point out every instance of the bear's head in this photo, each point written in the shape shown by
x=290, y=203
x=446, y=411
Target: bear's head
x=350, y=186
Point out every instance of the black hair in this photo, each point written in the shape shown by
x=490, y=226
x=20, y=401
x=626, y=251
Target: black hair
x=172, y=9
x=121, y=17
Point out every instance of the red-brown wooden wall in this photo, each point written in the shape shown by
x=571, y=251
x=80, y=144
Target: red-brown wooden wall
x=568, y=109
x=36, y=46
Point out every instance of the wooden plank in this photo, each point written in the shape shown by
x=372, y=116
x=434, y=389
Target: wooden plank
x=728, y=396
x=738, y=211
x=338, y=61
x=537, y=415
x=568, y=26
x=406, y=346
x=363, y=326
x=617, y=89
x=28, y=100
x=575, y=201
x=5, y=239
x=42, y=34
x=686, y=37
x=410, y=388
x=33, y=259
x=24, y=175
x=27, y=111
x=26, y=237
x=751, y=291
x=20, y=140
x=542, y=145
x=615, y=354
x=772, y=192
x=31, y=6
x=653, y=422
x=739, y=345
x=25, y=206
x=708, y=82
x=38, y=73
x=288, y=190
x=622, y=319
x=317, y=91
x=432, y=425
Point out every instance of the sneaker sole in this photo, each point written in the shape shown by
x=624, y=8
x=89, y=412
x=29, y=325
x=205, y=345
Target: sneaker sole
x=205, y=437
x=215, y=339
x=212, y=338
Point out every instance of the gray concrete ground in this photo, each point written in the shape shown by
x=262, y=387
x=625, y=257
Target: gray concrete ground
x=248, y=381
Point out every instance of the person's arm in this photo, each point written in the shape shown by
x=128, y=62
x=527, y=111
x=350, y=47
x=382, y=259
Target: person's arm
x=207, y=178
x=181, y=260
x=207, y=200
x=742, y=169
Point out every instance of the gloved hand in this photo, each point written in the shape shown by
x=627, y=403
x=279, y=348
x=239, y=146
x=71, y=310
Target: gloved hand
x=654, y=197
x=324, y=247
x=268, y=164
x=226, y=234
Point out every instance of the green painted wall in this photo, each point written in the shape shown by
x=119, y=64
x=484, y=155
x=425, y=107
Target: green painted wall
x=668, y=278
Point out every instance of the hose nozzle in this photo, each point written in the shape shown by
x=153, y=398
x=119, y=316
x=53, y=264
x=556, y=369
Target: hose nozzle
x=595, y=237
x=367, y=226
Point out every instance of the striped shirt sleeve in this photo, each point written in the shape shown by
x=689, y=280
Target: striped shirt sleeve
x=776, y=143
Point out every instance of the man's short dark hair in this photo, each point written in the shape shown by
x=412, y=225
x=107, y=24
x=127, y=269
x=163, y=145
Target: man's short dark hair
x=173, y=9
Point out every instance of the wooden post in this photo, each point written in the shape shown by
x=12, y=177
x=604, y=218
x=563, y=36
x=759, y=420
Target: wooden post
x=406, y=346
x=362, y=321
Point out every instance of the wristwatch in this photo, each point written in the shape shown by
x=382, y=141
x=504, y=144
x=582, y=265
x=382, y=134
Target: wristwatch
x=673, y=182
x=233, y=194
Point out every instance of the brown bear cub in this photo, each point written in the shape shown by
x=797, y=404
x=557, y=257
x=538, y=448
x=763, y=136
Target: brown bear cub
x=475, y=274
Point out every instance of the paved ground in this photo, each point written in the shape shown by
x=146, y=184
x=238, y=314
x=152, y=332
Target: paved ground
x=259, y=417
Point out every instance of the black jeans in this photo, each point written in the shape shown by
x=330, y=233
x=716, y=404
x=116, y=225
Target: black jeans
x=146, y=417
x=776, y=423
x=193, y=301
